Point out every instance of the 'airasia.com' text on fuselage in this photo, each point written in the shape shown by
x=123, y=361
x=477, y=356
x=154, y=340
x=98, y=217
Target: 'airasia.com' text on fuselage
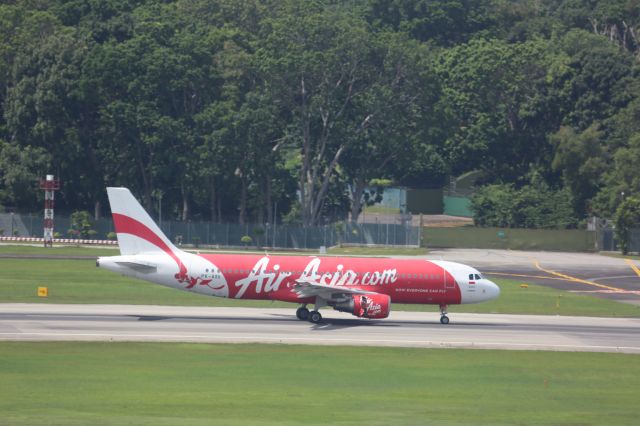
x=271, y=277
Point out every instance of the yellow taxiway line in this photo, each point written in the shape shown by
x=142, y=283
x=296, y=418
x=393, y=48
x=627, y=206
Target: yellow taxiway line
x=633, y=266
x=575, y=279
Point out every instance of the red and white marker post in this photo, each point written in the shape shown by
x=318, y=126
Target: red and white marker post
x=50, y=186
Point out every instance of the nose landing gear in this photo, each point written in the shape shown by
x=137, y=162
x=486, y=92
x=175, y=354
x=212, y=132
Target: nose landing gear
x=444, y=319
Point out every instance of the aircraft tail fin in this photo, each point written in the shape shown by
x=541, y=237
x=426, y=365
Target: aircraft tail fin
x=137, y=232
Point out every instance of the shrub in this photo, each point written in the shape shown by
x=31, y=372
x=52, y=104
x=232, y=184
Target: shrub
x=81, y=223
x=246, y=240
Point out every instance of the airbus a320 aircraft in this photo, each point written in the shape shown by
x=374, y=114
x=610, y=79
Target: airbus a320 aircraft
x=364, y=287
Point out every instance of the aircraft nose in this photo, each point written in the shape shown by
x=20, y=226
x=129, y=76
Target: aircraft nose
x=492, y=290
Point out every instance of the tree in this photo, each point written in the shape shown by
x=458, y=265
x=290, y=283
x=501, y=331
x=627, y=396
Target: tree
x=444, y=22
x=627, y=217
x=314, y=63
x=398, y=110
x=582, y=161
x=621, y=178
x=20, y=171
x=47, y=107
x=597, y=80
x=496, y=107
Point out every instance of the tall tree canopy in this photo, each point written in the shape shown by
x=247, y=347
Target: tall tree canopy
x=247, y=110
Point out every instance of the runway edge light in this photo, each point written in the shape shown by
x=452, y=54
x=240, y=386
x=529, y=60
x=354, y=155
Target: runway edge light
x=43, y=291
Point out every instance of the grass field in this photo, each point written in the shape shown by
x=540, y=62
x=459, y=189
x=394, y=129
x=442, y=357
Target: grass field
x=30, y=249
x=190, y=384
x=79, y=281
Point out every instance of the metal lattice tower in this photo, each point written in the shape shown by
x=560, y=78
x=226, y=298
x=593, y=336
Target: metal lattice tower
x=50, y=186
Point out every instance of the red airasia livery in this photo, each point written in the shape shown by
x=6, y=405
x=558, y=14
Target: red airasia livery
x=364, y=287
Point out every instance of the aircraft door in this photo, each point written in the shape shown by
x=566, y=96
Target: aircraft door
x=449, y=281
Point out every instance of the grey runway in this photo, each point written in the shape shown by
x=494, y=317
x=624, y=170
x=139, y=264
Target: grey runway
x=127, y=323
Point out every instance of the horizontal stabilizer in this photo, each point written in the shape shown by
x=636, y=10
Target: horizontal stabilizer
x=142, y=267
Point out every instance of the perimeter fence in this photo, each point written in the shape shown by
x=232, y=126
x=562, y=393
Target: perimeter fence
x=234, y=235
x=607, y=240
x=288, y=236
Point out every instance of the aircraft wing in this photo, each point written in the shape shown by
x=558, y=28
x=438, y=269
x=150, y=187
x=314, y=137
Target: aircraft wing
x=307, y=289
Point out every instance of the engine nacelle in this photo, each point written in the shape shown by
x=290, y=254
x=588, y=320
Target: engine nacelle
x=373, y=305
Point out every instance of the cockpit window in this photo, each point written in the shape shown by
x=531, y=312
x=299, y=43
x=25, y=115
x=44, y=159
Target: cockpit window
x=478, y=277
x=470, y=276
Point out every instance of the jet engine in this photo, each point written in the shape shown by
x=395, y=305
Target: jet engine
x=372, y=305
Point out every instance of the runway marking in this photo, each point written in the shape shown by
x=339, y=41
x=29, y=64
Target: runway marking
x=575, y=279
x=636, y=292
x=314, y=341
x=615, y=277
x=633, y=266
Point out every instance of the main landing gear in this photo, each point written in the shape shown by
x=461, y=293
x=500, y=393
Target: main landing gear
x=303, y=314
x=444, y=319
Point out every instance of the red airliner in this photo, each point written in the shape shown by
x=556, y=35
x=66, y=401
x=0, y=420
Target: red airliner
x=364, y=287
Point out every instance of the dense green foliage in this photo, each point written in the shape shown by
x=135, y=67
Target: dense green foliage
x=530, y=206
x=255, y=109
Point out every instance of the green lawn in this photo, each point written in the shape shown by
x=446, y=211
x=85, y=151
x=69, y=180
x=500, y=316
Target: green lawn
x=191, y=384
x=79, y=281
x=380, y=210
x=28, y=249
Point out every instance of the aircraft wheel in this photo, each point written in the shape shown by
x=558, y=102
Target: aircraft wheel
x=302, y=314
x=444, y=319
x=315, y=317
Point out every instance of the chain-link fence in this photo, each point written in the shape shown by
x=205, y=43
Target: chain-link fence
x=607, y=240
x=634, y=240
x=235, y=235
